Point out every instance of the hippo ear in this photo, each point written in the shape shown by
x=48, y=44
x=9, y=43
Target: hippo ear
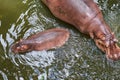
x=115, y=39
x=21, y=40
x=17, y=42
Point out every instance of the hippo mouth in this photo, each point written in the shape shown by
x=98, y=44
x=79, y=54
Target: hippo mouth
x=111, y=49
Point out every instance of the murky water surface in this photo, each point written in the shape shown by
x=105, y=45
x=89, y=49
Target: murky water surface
x=78, y=59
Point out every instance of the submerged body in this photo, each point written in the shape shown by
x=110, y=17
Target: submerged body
x=88, y=19
x=45, y=40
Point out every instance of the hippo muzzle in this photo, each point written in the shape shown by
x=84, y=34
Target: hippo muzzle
x=109, y=46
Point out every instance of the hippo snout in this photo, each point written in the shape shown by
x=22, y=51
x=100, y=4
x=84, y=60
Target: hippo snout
x=113, y=53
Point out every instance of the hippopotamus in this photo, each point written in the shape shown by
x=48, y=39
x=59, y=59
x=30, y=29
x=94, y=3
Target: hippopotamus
x=86, y=16
x=45, y=40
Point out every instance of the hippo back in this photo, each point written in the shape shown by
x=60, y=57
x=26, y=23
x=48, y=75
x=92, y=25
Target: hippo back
x=75, y=12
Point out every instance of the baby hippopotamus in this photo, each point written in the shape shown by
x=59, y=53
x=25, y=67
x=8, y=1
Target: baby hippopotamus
x=45, y=40
x=88, y=19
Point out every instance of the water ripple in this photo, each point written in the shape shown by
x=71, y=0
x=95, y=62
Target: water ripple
x=4, y=76
x=79, y=58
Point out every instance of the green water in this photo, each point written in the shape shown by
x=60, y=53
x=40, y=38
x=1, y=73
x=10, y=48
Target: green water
x=78, y=59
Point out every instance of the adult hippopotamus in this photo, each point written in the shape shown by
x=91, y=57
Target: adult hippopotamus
x=86, y=16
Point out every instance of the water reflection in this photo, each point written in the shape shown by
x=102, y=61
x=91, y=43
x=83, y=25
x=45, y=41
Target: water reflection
x=38, y=59
x=4, y=76
x=78, y=59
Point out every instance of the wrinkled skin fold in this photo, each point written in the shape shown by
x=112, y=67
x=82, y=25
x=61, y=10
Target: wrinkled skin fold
x=88, y=19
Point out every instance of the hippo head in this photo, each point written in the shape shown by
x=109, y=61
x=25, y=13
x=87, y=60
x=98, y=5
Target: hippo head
x=108, y=44
x=19, y=47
